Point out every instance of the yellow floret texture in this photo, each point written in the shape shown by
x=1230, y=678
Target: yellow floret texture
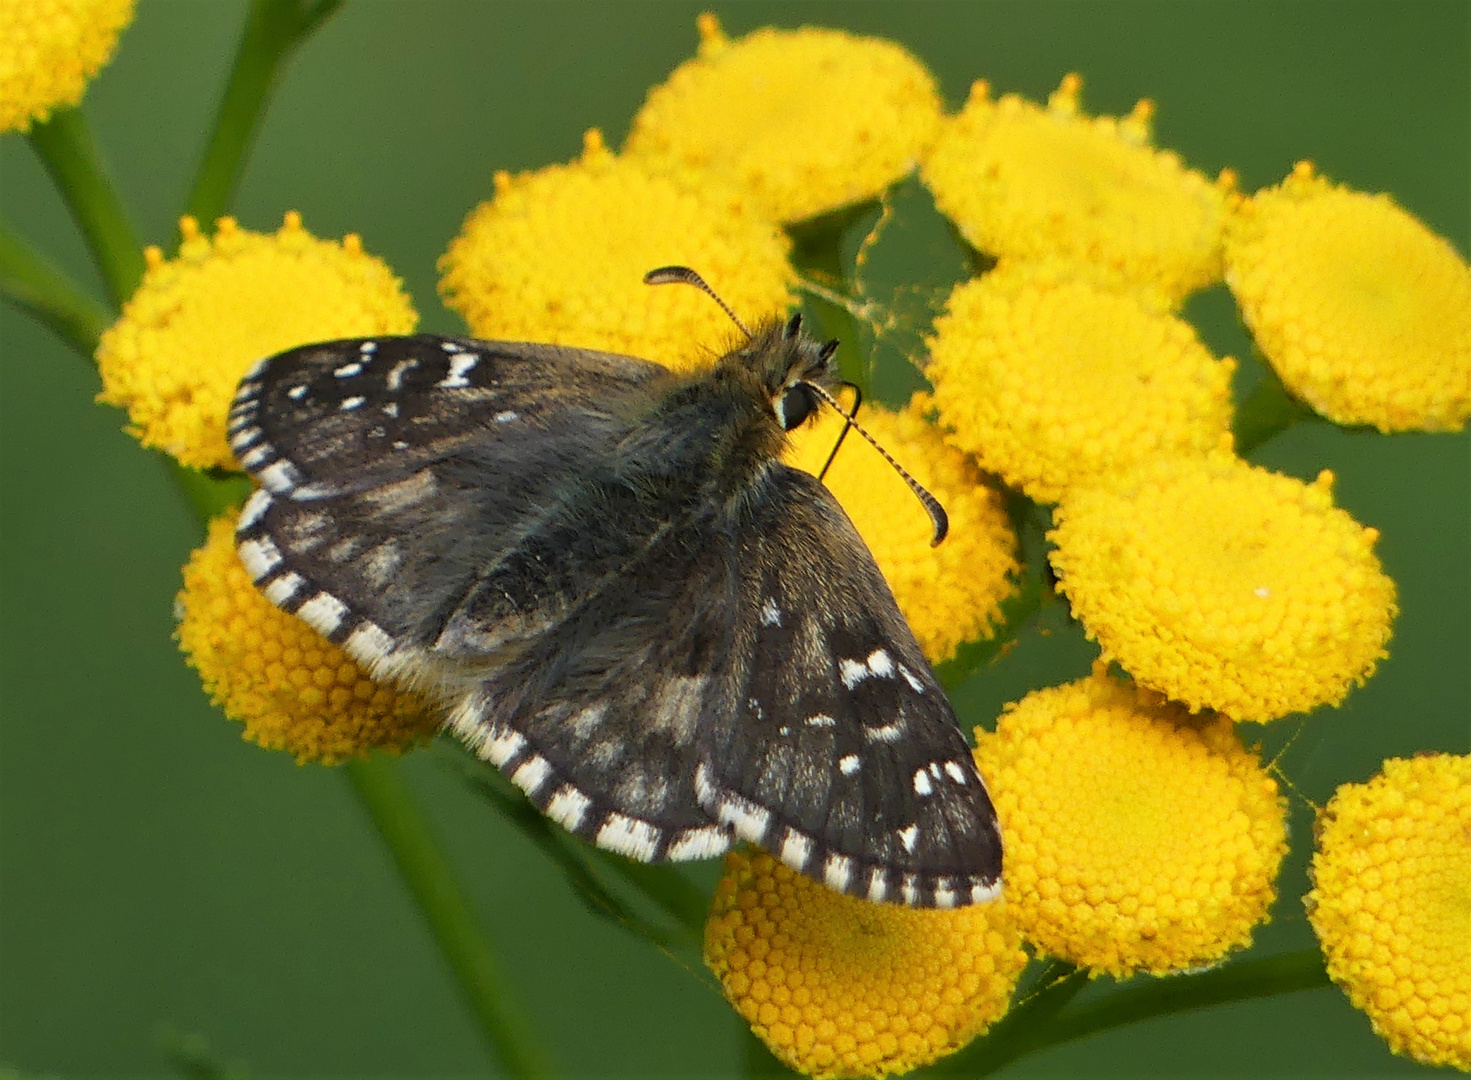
x=1391, y=903
x=840, y=987
x=50, y=50
x=1138, y=838
x=805, y=121
x=560, y=255
x=200, y=320
x=1054, y=382
x=1022, y=182
x=1225, y=586
x=291, y=688
x=1363, y=312
x=952, y=593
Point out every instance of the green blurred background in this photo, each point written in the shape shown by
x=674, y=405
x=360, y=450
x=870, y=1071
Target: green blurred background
x=159, y=873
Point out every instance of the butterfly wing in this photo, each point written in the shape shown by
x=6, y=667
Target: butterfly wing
x=397, y=473
x=842, y=755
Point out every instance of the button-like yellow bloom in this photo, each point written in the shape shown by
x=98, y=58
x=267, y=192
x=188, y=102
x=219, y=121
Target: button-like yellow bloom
x=1363, y=312
x=1225, y=586
x=291, y=688
x=559, y=255
x=804, y=120
x=200, y=320
x=1053, y=381
x=1024, y=182
x=1391, y=903
x=838, y=986
x=1138, y=837
x=951, y=593
x=50, y=50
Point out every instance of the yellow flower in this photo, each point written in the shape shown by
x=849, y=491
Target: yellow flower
x=291, y=688
x=1138, y=838
x=1225, y=586
x=559, y=256
x=50, y=50
x=838, y=986
x=951, y=593
x=805, y=120
x=1391, y=903
x=1052, y=381
x=1364, y=312
x=1023, y=182
x=200, y=320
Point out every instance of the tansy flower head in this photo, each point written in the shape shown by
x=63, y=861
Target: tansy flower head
x=805, y=120
x=200, y=320
x=1023, y=182
x=951, y=593
x=1053, y=381
x=49, y=51
x=1363, y=312
x=559, y=256
x=291, y=688
x=1138, y=838
x=1225, y=586
x=839, y=986
x=1391, y=903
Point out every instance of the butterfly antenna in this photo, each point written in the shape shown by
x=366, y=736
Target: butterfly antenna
x=938, y=517
x=847, y=423
x=683, y=275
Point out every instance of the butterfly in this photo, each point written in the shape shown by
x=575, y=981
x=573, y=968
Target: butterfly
x=620, y=596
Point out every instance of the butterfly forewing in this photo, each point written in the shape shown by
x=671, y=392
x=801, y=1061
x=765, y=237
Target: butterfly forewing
x=843, y=756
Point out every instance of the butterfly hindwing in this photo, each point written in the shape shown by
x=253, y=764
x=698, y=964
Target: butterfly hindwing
x=843, y=756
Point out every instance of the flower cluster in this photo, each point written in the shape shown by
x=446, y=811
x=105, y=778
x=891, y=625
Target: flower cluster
x=1142, y=834
x=1391, y=903
x=50, y=50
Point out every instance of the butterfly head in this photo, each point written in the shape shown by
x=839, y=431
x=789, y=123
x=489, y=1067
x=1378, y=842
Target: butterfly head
x=788, y=364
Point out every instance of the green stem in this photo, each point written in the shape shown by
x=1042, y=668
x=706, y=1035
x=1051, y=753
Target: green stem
x=33, y=284
x=64, y=145
x=425, y=870
x=273, y=29
x=1267, y=411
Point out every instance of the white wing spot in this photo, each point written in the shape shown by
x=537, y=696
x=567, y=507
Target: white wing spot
x=283, y=588
x=369, y=347
x=351, y=403
x=531, y=774
x=702, y=843
x=503, y=747
x=507, y=417
x=396, y=374
x=368, y=644
x=770, y=613
x=837, y=872
x=628, y=836
x=848, y=765
x=821, y=720
x=459, y=364
x=909, y=836
x=922, y=785
x=955, y=771
x=878, y=884
x=323, y=613
x=390, y=409
x=279, y=476
x=259, y=557
x=880, y=663
x=852, y=672
x=399, y=444
x=886, y=734
x=254, y=509
x=908, y=676
x=796, y=849
x=347, y=371
x=296, y=393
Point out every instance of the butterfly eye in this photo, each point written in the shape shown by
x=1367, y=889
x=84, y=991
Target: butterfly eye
x=794, y=405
